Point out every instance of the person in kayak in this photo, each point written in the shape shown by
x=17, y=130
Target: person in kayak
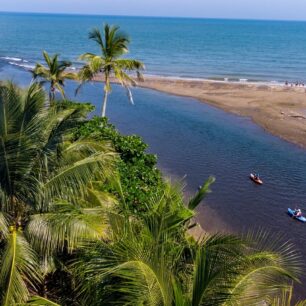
x=297, y=213
x=256, y=176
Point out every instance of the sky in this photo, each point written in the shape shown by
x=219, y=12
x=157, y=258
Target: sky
x=246, y=9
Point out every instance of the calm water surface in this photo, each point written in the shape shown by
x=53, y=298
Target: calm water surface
x=210, y=48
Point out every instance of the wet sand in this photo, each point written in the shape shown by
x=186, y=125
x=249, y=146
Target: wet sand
x=281, y=110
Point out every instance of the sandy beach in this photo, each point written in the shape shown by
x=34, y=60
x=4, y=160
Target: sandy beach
x=281, y=110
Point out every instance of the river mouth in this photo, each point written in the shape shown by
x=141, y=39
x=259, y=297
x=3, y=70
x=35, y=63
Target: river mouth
x=195, y=140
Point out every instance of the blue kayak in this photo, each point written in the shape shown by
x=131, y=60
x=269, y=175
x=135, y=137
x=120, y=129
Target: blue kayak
x=291, y=213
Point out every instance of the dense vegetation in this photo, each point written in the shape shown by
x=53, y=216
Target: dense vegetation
x=140, y=179
x=45, y=181
x=87, y=219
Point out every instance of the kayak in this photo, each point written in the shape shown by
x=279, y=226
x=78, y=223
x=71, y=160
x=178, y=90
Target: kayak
x=291, y=213
x=255, y=180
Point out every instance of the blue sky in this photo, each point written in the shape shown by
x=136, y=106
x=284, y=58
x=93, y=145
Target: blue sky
x=255, y=9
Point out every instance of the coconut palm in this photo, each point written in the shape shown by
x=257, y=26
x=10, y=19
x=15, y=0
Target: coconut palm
x=153, y=261
x=54, y=73
x=113, y=45
x=44, y=183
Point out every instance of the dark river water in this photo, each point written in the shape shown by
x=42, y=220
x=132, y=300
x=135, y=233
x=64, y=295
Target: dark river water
x=195, y=140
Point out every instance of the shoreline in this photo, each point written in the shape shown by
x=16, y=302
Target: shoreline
x=277, y=108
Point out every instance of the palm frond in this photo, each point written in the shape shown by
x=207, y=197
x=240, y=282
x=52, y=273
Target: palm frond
x=201, y=194
x=73, y=179
x=179, y=297
x=34, y=100
x=123, y=78
x=19, y=270
x=96, y=198
x=141, y=272
x=116, y=41
x=70, y=75
x=284, y=252
x=88, y=146
x=42, y=72
x=62, y=66
x=9, y=108
x=266, y=268
x=129, y=64
x=285, y=299
x=47, y=59
x=60, y=89
x=96, y=36
x=4, y=231
x=168, y=210
x=38, y=301
x=66, y=226
x=87, y=56
x=213, y=269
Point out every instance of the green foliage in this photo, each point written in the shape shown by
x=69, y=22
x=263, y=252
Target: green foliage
x=53, y=73
x=204, y=190
x=150, y=261
x=109, y=64
x=19, y=269
x=41, y=165
x=140, y=179
x=285, y=299
x=39, y=301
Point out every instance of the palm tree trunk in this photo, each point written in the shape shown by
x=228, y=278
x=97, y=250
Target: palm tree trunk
x=104, y=103
x=106, y=91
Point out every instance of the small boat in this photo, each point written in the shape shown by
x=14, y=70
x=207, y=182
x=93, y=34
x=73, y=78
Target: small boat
x=256, y=180
x=291, y=214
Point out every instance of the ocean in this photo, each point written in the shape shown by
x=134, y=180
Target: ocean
x=192, y=140
x=272, y=51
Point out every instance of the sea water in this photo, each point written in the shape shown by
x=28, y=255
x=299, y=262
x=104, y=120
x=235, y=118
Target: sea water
x=207, y=48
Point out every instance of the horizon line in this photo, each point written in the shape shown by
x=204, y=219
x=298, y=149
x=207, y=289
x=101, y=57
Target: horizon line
x=148, y=16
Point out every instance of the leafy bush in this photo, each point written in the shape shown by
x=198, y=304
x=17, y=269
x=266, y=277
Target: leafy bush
x=140, y=179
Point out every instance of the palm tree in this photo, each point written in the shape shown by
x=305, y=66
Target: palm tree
x=44, y=183
x=153, y=261
x=54, y=73
x=113, y=45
